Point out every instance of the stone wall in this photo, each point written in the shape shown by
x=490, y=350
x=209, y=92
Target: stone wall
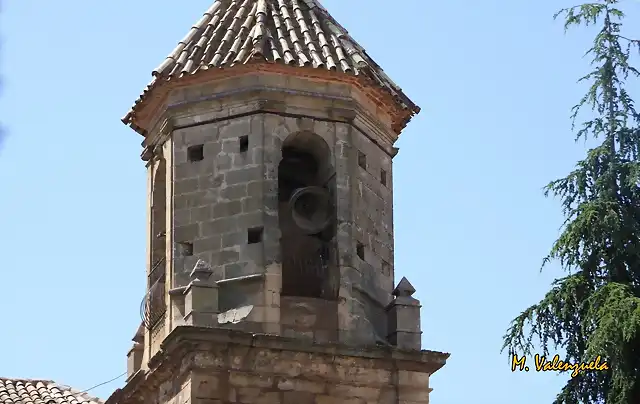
x=223, y=196
x=365, y=233
x=373, y=217
x=373, y=208
x=231, y=190
x=218, y=197
x=156, y=336
x=265, y=373
x=309, y=318
x=224, y=145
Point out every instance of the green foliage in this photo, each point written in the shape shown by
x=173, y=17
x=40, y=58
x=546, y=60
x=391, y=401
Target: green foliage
x=595, y=310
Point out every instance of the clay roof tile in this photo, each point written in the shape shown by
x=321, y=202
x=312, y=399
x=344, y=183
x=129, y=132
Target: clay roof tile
x=23, y=391
x=293, y=32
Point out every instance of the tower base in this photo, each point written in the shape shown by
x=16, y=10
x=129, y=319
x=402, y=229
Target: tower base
x=198, y=365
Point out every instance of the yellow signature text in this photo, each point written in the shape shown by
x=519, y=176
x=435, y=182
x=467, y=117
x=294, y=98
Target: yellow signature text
x=542, y=364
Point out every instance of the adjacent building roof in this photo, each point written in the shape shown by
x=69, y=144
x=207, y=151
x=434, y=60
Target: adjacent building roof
x=292, y=32
x=19, y=391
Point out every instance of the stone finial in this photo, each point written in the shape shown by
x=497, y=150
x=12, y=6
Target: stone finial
x=403, y=317
x=404, y=288
x=139, y=337
x=201, y=272
x=134, y=359
x=201, y=297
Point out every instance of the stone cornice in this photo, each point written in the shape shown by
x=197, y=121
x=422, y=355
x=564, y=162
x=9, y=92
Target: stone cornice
x=157, y=137
x=139, y=118
x=185, y=341
x=259, y=99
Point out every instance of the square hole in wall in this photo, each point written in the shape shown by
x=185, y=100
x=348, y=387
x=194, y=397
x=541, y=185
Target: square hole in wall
x=186, y=249
x=195, y=153
x=244, y=143
x=360, y=250
x=383, y=177
x=254, y=235
x=362, y=160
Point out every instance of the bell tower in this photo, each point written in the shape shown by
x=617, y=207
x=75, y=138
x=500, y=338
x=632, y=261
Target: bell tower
x=268, y=139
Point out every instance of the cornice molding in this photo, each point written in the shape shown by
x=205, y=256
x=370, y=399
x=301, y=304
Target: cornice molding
x=186, y=341
x=140, y=116
x=264, y=99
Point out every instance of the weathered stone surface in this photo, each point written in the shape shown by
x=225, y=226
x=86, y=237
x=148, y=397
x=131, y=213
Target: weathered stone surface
x=243, y=368
x=217, y=194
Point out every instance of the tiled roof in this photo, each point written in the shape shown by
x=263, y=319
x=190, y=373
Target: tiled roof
x=18, y=391
x=293, y=32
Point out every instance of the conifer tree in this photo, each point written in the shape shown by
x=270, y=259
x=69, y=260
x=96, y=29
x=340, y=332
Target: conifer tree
x=594, y=310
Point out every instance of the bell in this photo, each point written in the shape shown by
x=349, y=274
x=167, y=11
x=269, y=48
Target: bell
x=311, y=209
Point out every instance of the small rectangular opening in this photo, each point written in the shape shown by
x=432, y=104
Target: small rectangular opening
x=187, y=249
x=244, y=143
x=254, y=235
x=195, y=153
x=383, y=177
x=362, y=160
x=360, y=250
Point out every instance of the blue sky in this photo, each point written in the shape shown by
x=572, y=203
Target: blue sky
x=495, y=80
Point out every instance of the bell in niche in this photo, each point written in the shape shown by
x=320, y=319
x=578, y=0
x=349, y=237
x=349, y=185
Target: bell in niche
x=311, y=209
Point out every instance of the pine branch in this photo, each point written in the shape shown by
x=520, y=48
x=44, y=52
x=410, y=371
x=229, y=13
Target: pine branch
x=595, y=310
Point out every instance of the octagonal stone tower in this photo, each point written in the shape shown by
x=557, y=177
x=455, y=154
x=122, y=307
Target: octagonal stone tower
x=268, y=136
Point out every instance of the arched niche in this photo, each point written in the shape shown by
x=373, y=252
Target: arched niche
x=306, y=188
x=154, y=304
x=158, y=210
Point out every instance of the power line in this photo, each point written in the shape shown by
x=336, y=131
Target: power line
x=103, y=383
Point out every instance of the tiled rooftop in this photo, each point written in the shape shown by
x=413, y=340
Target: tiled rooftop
x=17, y=391
x=293, y=32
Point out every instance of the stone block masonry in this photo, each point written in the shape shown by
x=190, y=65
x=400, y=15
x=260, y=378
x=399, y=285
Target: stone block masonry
x=224, y=366
x=225, y=185
x=371, y=216
x=273, y=219
x=218, y=196
x=225, y=189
